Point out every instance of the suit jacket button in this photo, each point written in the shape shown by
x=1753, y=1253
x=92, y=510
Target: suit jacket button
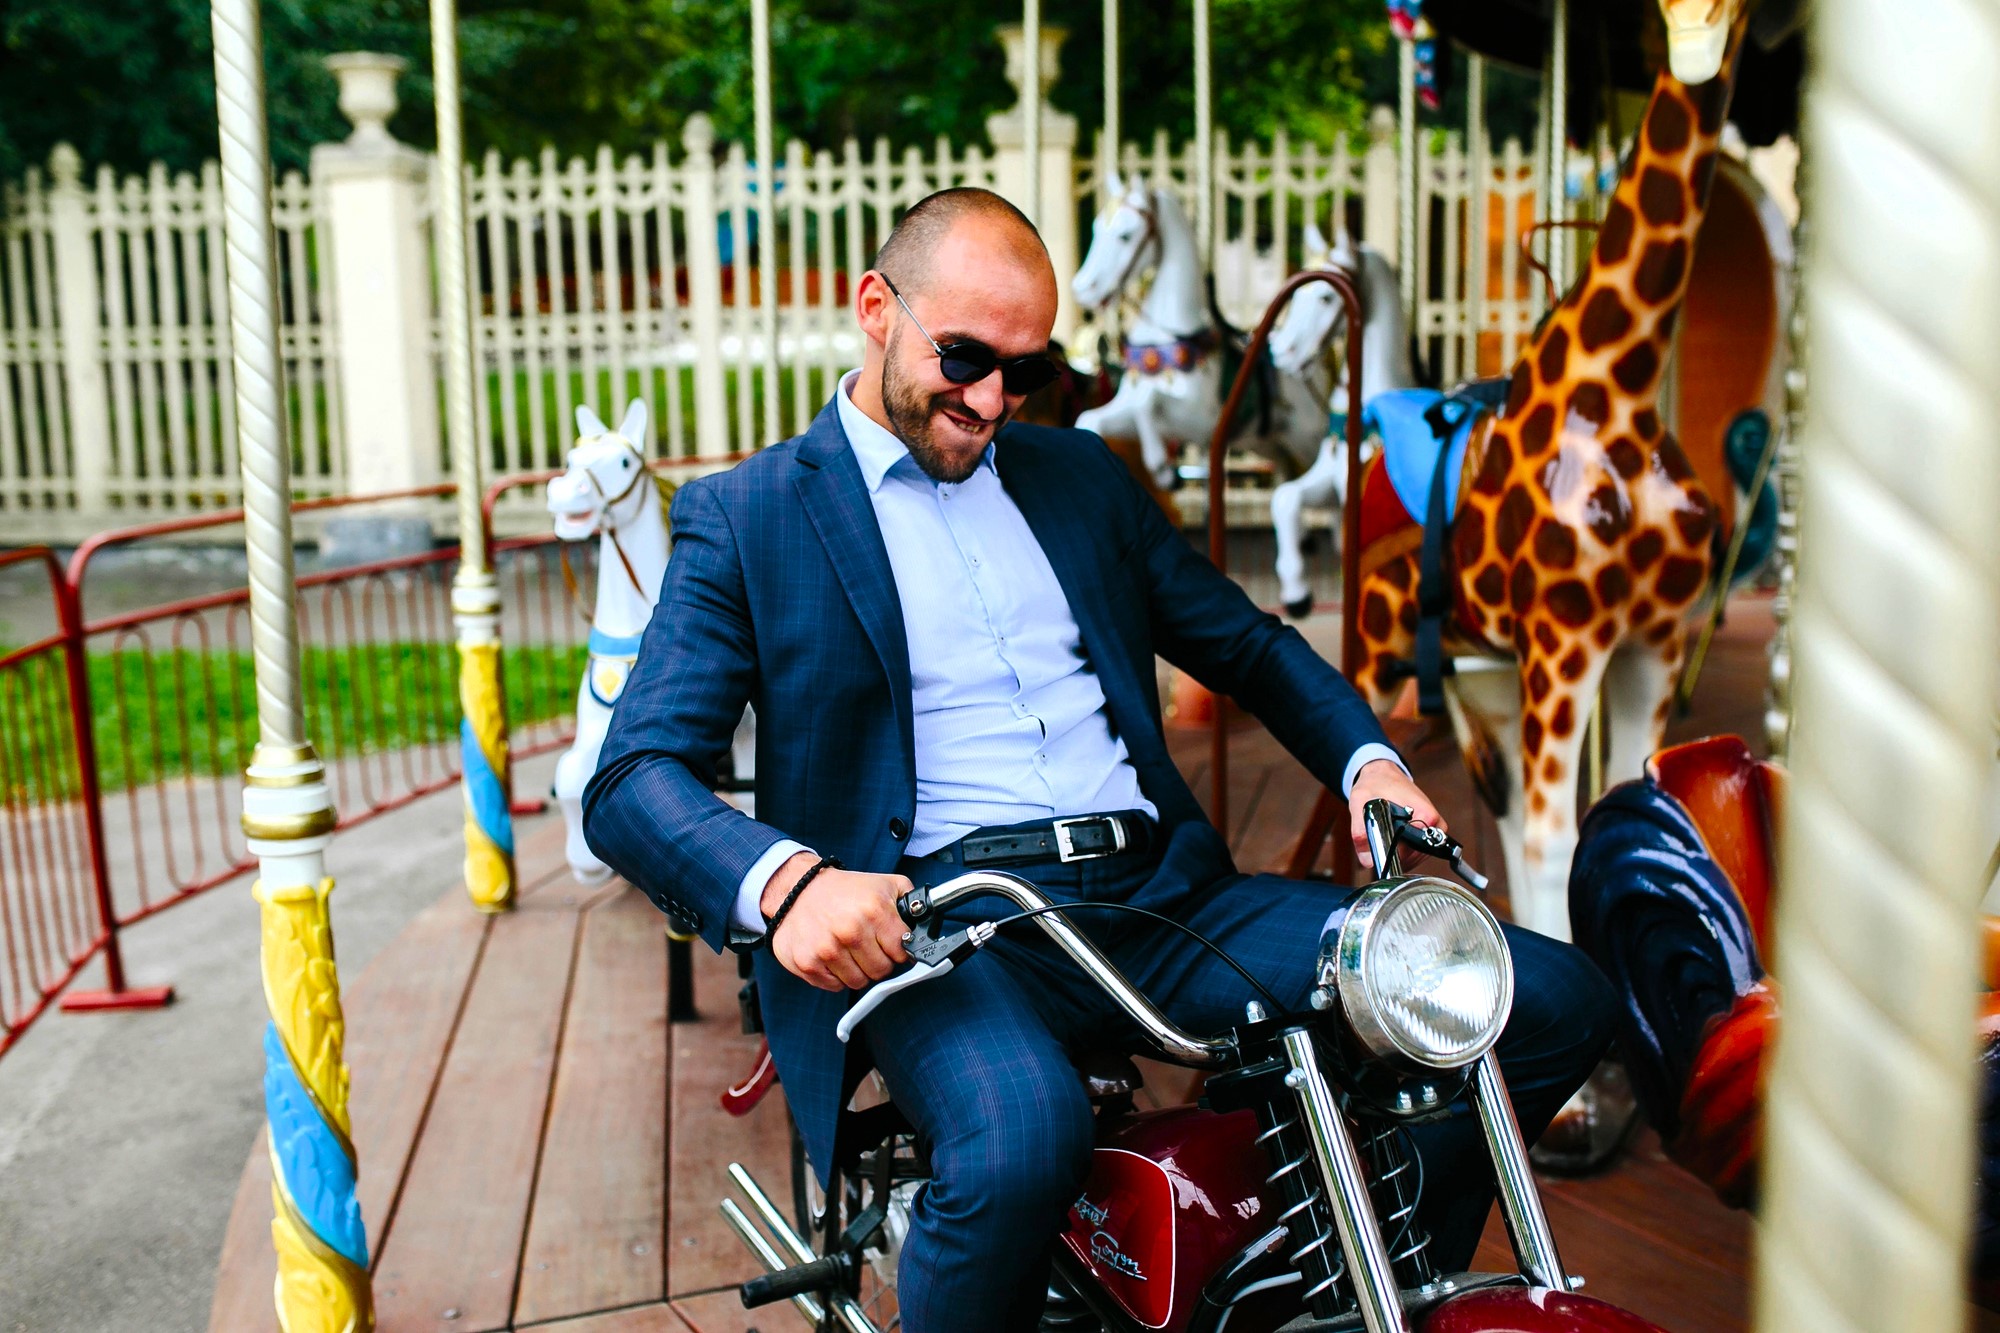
x=898, y=829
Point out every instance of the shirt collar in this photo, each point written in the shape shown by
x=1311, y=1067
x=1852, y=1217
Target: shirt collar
x=875, y=449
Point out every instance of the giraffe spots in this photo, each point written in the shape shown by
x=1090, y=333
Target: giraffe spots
x=1406, y=617
x=1661, y=268
x=1545, y=637
x=1495, y=466
x=1563, y=721
x=1702, y=177
x=1608, y=513
x=1627, y=459
x=1490, y=586
x=1662, y=200
x=1667, y=125
x=1695, y=520
x=1521, y=588
x=1679, y=577
x=1605, y=633
x=1537, y=802
x=1554, y=354
x=1647, y=547
x=1674, y=460
x=1510, y=632
x=1590, y=401
x=1663, y=327
x=1646, y=422
x=1538, y=430
x=1711, y=100
x=1468, y=537
x=1605, y=319
x=1614, y=238
x=1571, y=668
x=1614, y=585
x=1660, y=633
x=1519, y=388
x=1398, y=573
x=1375, y=616
x=1634, y=370
x=1386, y=672
x=1538, y=682
x=1531, y=737
x=1569, y=602
x=1555, y=545
x=1641, y=612
x=1510, y=525
x=1552, y=769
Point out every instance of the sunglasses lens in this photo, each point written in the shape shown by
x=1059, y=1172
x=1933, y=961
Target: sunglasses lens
x=1028, y=374
x=966, y=363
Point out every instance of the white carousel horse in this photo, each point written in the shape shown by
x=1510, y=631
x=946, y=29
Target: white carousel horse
x=1172, y=390
x=607, y=492
x=1315, y=318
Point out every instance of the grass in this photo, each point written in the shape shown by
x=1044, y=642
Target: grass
x=166, y=714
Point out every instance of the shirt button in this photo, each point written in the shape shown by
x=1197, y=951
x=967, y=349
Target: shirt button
x=898, y=829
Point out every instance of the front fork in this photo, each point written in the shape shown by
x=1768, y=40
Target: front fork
x=1368, y=1263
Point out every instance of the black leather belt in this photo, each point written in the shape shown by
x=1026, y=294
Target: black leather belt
x=1075, y=838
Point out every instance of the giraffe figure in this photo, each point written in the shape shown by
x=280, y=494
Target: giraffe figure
x=1582, y=536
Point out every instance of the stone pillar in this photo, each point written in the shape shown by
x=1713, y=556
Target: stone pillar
x=1380, y=213
x=1008, y=131
x=374, y=239
x=77, y=316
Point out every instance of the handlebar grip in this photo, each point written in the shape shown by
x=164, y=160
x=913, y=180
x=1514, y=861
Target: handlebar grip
x=799, y=1280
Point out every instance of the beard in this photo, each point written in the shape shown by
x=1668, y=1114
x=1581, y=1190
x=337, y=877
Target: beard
x=911, y=413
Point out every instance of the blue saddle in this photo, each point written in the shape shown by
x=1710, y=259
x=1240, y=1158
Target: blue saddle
x=1416, y=426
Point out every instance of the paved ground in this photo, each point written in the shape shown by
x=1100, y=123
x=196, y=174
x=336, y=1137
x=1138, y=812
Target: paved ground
x=122, y=1135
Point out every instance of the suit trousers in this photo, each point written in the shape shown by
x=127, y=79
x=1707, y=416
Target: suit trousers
x=979, y=1062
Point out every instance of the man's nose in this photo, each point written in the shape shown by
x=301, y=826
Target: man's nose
x=988, y=397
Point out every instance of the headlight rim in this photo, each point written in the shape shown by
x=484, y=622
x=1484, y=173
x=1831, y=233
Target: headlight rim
x=1380, y=1039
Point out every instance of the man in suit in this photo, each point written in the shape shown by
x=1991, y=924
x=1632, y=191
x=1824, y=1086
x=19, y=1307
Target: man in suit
x=948, y=627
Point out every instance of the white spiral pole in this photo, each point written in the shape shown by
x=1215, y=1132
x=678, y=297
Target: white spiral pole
x=288, y=818
x=475, y=593
x=1869, y=1164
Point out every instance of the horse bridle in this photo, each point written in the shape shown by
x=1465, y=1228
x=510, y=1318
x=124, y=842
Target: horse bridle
x=606, y=527
x=1150, y=216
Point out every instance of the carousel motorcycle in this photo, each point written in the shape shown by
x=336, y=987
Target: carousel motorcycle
x=1286, y=1199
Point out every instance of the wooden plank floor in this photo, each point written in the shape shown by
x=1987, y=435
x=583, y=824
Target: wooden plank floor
x=541, y=1149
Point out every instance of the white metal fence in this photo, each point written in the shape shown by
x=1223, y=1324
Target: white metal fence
x=596, y=281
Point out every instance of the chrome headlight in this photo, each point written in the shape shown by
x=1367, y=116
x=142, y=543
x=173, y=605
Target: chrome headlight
x=1424, y=974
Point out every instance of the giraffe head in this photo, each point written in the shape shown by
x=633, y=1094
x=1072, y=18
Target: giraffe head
x=1698, y=36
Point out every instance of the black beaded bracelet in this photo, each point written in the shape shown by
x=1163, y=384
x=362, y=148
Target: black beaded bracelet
x=772, y=921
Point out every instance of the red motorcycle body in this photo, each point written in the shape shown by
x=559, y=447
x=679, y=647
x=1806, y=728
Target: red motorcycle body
x=1174, y=1195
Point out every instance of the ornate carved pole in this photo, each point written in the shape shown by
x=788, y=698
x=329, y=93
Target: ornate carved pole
x=1785, y=475
x=1869, y=1162
x=288, y=816
x=475, y=593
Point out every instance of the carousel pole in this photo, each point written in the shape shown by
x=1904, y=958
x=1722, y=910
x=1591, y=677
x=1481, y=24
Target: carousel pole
x=475, y=593
x=1031, y=106
x=1558, y=248
x=288, y=817
x=767, y=208
x=1112, y=130
x=1479, y=153
x=1407, y=186
x=1870, y=1149
x=1785, y=476
x=1204, y=143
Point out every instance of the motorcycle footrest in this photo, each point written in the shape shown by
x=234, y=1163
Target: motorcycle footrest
x=820, y=1277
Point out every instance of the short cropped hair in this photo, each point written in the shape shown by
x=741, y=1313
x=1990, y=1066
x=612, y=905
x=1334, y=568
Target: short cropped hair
x=905, y=255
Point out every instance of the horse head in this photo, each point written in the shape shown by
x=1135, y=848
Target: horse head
x=1124, y=239
x=1316, y=314
x=1698, y=36
x=606, y=485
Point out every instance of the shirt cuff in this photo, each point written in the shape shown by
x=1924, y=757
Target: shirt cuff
x=748, y=911
x=1367, y=754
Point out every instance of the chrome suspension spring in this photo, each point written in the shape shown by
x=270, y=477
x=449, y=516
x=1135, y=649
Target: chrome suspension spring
x=1317, y=1259
x=1396, y=1186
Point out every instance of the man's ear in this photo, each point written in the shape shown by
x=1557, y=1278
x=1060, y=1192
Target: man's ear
x=872, y=299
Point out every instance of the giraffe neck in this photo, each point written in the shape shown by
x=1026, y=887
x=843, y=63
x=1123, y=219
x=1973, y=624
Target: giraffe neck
x=1623, y=305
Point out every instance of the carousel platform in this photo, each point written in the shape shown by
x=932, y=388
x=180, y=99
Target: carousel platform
x=541, y=1148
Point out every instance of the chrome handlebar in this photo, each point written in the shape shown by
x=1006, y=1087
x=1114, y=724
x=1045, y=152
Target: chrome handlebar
x=923, y=905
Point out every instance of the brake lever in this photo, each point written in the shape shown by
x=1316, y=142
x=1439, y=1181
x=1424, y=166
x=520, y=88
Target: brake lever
x=1436, y=842
x=930, y=958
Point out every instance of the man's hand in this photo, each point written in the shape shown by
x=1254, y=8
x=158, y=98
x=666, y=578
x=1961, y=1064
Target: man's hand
x=1381, y=780
x=843, y=932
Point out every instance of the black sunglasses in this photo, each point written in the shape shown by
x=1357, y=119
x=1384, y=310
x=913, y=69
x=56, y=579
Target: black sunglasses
x=970, y=362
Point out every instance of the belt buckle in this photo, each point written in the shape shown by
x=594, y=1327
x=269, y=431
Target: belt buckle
x=1066, y=840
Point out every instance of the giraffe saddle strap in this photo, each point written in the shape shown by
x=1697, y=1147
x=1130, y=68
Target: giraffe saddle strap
x=1421, y=428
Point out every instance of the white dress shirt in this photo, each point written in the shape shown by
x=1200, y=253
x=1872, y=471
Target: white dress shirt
x=1010, y=721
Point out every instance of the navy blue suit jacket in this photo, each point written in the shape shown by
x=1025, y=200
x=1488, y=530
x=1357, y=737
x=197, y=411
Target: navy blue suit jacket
x=780, y=594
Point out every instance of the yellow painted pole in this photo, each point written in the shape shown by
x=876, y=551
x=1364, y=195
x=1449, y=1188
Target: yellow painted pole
x=475, y=593
x=1869, y=1160
x=288, y=818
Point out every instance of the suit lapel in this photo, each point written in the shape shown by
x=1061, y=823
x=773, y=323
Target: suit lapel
x=836, y=500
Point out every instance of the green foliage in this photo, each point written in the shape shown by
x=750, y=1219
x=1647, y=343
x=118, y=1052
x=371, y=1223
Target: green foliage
x=131, y=81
